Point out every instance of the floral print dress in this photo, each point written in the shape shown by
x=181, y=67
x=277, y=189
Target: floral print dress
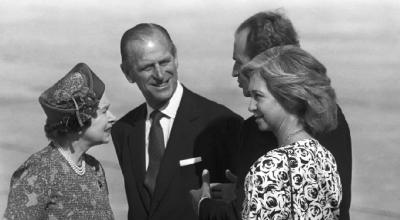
x=298, y=181
x=46, y=187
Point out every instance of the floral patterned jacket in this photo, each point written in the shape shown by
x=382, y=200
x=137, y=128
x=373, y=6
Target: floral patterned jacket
x=46, y=187
x=297, y=181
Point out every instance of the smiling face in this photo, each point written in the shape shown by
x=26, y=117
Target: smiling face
x=268, y=112
x=99, y=130
x=240, y=58
x=153, y=68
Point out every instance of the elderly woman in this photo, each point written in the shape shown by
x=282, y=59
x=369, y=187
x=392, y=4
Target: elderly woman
x=292, y=96
x=61, y=181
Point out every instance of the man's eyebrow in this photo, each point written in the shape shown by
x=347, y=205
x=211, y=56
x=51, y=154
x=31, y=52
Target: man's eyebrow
x=165, y=59
x=256, y=90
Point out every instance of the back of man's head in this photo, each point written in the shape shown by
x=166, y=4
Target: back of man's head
x=142, y=32
x=268, y=29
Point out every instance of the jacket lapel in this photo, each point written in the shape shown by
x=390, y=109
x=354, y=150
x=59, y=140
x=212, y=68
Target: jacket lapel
x=179, y=146
x=137, y=153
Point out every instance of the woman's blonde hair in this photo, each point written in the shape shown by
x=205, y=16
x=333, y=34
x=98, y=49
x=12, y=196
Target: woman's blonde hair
x=300, y=84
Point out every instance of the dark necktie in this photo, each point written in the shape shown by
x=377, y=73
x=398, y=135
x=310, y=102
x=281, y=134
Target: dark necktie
x=156, y=150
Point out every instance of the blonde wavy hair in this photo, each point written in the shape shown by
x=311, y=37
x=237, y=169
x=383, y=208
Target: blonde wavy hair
x=299, y=83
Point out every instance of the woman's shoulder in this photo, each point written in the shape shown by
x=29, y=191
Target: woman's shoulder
x=306, y=145
x=272, y=159
x=46, y=152
x=310, y=151
x=278, y=157
x=36, y=167
x=29, y=184
x=93, y=163
x=39, y=159
x=314, y=147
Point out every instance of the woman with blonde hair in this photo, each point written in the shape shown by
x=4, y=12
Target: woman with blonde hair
x=291, y=95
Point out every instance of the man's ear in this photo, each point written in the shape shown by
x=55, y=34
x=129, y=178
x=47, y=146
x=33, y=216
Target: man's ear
x=176, y=61
x=126, y=72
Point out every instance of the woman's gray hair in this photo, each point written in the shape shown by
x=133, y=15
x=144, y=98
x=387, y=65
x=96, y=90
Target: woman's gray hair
x=300, y=84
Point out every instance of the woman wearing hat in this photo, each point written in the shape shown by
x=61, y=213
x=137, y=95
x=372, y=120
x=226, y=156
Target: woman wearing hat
x=61, y=181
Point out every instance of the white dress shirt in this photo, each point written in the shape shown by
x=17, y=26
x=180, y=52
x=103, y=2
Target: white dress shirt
x=166, y=122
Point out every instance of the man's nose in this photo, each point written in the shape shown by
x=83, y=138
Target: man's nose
x=235, y=70
x=235, y=73
x=158, y=71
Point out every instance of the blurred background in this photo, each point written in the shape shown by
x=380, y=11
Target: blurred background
x=358, y=41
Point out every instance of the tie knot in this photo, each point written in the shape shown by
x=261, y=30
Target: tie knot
x=156, y=115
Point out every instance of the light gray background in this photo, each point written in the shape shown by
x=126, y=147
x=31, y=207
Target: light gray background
x=358, y=41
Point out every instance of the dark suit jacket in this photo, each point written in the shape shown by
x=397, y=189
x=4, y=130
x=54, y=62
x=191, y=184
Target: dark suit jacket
x=255, y=143
x=201, y=128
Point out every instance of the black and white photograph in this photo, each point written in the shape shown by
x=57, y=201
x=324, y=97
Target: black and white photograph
x=200, y=109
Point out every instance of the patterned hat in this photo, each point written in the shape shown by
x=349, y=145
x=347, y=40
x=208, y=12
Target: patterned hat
x=77, y=95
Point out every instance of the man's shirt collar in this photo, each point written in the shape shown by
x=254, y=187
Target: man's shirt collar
x=171, y=107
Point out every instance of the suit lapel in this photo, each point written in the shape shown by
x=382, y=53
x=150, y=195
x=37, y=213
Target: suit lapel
x=137, y=153
x=178, y=147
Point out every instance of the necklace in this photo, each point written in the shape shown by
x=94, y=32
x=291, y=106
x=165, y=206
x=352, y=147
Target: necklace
x=290, y=136
x=80, y=170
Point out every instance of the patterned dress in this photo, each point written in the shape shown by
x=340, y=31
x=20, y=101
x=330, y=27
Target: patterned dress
x=46, y=187
x=298, y=181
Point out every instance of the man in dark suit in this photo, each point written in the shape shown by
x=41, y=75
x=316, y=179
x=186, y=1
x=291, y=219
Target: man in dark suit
x=256, y=34
x=165, y=143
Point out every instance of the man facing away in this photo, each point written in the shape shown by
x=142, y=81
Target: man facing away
x=258, y=33
x=165, y=143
